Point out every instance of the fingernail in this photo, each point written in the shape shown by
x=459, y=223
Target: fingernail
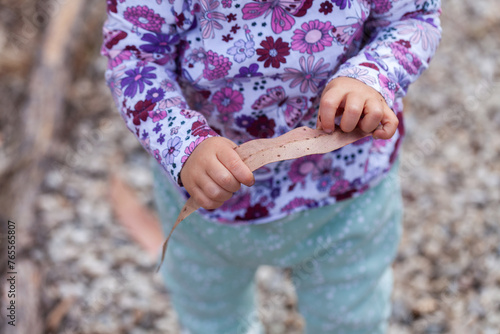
x=328, y=130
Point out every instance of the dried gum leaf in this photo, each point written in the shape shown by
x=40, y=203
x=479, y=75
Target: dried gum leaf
x=294, y=144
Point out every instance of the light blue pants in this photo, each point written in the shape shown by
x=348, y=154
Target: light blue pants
x=340, y=256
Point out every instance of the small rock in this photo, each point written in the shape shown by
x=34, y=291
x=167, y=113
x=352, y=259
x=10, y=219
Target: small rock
x=424, y=306
x=91, y=266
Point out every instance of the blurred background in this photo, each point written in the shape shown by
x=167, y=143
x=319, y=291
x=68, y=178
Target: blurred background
x=74, y=181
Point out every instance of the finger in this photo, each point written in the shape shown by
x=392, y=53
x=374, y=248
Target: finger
x=330, y=103
x=212, y=190
x=318, y=122
x=223, y=177
x=203, y=201
x=352, y=112
x=372, y=115
x=232, y=161
x=389, y=124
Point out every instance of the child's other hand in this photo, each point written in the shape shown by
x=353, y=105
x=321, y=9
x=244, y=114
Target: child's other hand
x=360, y=105
x=214, y=171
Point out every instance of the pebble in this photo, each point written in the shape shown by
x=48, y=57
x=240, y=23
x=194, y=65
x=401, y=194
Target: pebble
x=68, y=289
x=92, y=266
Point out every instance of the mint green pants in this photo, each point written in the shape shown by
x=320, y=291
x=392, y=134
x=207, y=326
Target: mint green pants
x=340, y=257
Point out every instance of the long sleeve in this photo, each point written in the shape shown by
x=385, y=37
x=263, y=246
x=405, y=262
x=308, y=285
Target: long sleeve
x=143, y=43
x=402, y=37
x=256, y=69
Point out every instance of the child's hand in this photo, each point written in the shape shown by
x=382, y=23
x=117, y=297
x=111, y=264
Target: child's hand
x=360, y=105
x=214, y=171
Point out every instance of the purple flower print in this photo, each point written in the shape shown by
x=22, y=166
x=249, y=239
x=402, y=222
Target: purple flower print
x=324, y=173
x=262, y=127
x=326, y=7
x=361, y=141
x=158, y=43
x=356, y=183
x=216, y=66
x=323, y=183
x=111, y=6
x=303, y=167
x=161, y=139
x=141, y=111
x=173, y=149
x=389, y=87
x=201, y=128
x=273, y=52
x=298, y=202
x=225, y=118
x=310, y=76
x=337, y=173
x=117, y=59
x=360, y=74
x=378, y=145
x=275, y=193
x=167, y=85
x=420, y=3
x=157, y=128
x=405, y=43
x=236, y=203
x=144, y=17
x=313, y=37
x=188, y=113
x=199, y=101
x=137, y=78
x=400, y=78
x=244, y=121
x=342, y=4
x=157, y=155
x=382, y=6
x=420, y=32
x=339, y=187
x=158, y=114
x=348, y=193
x=405, y=58
x=188, y=150
x=231, y=17
x=171, y=102
x=242, y=50
x=113, y=37
x=323, y=168
x=248, y=72
x=114, y=82
x=209, y=18
x=254, y=212
x=219, y=82
x=155, y=95
x=198, y=55
x=228, y=100
x=174, y=130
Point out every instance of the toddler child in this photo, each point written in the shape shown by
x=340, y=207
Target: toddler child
x=194, y=78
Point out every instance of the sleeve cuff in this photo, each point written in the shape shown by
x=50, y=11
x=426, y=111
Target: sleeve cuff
x=181, y=145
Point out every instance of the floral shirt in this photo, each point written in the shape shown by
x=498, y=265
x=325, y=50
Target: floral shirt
x=182, y=71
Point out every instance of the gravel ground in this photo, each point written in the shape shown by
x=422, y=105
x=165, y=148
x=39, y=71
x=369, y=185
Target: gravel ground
x=447, y=273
